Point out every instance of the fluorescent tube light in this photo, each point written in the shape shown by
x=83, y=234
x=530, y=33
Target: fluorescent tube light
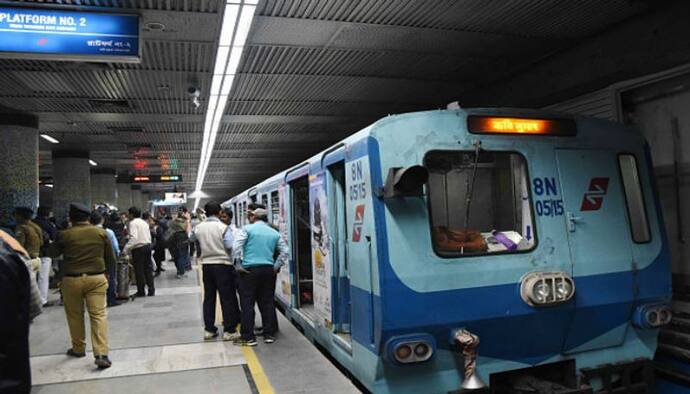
x=93, y=163
x=244, y=25
x=237, y=21
x=49, y=139
x=229, y=21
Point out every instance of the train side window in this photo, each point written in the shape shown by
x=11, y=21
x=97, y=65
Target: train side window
x=639, y=226
x=275, y=207
x=264, y=200
x=479, y=204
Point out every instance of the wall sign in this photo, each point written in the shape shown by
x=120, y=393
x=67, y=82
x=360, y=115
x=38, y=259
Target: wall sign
x=68, y=35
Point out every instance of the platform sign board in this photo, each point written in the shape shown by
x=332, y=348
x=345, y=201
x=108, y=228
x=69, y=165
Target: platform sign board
x=155, y=178
x=68, y=35
x=320, y=248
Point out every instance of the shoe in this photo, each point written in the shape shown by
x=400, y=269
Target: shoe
x=162, y=269
x=72, y=353
x=103, y=362
x=49, y=303
x=178, y=276
x=152, y=293
x=210, y=335
x=244, y=342
x=140, y=295
x=269, y=339
x=157, y=274
x=231, y=336
x=115, y=303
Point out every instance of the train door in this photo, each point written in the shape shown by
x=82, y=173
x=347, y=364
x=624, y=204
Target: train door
x=341, y=271
x=600, y=243
x=301, y=245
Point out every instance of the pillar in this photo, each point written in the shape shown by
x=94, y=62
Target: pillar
x=103, y=189
x=71, y=180
x=136, y=196
x=18, y=164
x=145, y=197
x=124, y=196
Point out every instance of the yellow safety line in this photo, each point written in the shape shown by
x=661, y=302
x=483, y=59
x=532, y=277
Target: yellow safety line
x=263, y=386
x=260, y=378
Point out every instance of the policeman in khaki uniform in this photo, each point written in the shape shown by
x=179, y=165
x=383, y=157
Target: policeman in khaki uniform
x=28, y=233
x=87, y=254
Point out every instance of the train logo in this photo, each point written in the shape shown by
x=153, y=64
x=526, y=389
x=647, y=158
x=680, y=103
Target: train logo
x=358, y=223
x=594, y=197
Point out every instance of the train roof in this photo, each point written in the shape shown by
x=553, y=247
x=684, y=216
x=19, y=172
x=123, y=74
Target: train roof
x=593, y=130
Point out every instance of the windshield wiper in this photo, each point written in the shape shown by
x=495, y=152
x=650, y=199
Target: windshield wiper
x=469, y=184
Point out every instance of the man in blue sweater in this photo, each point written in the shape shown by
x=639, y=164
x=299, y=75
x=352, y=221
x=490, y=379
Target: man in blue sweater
x=256, y=247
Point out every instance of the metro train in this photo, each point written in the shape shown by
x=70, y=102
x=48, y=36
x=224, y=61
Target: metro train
x=487, y=250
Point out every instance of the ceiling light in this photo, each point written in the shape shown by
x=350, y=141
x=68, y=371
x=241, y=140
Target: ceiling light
x=49, y=138
x=50, y=185
x=93, y=163
x=237, y=21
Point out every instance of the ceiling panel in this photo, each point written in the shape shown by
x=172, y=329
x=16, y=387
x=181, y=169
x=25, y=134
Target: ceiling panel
x=313, y=72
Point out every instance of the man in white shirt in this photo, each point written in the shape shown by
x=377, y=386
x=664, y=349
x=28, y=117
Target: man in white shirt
x=218, y=273
x=139, y=248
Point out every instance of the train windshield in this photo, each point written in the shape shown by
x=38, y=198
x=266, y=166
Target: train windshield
x=479, y=203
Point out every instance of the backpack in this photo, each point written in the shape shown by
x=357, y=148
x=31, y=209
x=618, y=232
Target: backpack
x=168, y=237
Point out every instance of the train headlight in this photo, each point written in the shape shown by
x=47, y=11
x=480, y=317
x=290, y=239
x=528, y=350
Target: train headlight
x=546, y=288
x=652, y=315
x=408, y=349
x=403, y=352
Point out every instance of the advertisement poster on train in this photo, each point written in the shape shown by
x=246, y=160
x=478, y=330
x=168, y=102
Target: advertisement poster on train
x=320, y=248
x=283, y=288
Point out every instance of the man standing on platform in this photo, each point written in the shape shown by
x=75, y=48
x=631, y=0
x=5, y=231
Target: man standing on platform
x=49, y=234
x=218, y=274
x=139, y=249
x=28, y=233
x=87, y=255
x=97, y=220
x=256, y=247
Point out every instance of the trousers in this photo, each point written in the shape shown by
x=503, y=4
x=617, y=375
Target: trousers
x=220, y=279
x=141, y=260
x=258, y=287
x=89, y=290
x=44, y=278
x=112, y=284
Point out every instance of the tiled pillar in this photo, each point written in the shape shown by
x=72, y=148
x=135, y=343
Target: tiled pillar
x=145, y=197
x=18, y=170
x=136, y=196
x=71, y=180
x=103, y=189
x=124, y=196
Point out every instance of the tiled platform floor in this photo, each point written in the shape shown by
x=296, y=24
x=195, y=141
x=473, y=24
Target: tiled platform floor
x=157, y=346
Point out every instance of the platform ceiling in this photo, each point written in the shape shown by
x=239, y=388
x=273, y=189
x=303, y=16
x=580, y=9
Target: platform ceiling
x=313, y=72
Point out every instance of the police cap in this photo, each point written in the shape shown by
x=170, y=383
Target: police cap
x=26, y=211
x=79, y=208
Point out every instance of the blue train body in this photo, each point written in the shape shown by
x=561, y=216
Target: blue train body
x=378, y=276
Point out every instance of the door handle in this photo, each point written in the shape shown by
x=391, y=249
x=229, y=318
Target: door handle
x=572, y=220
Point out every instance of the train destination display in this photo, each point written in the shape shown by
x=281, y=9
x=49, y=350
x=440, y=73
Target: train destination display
x=68, y=35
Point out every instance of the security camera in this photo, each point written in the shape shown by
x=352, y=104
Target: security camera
x=194, y=93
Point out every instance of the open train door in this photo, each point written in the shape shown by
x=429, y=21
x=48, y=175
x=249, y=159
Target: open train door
x=600, y=245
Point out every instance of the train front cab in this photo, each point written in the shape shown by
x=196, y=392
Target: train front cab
x=581, y=206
